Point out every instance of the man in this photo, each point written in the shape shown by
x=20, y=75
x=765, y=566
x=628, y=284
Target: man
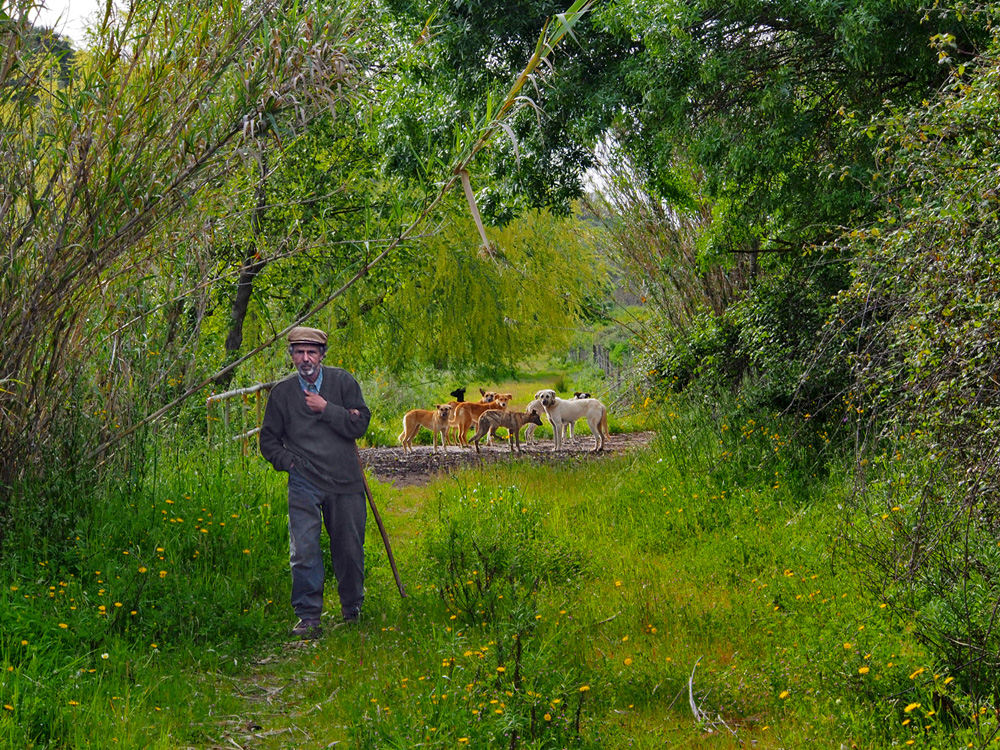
x=311, y=422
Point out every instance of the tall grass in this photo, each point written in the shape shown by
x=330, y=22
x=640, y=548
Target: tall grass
x=697, y=592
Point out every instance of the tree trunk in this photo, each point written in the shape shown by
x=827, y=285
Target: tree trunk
x=252, y=264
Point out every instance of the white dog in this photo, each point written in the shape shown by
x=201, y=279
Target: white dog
x=561, y=411
x=529, y=431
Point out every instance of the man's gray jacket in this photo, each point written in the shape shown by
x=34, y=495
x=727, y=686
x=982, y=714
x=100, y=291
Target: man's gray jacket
x=320, y=446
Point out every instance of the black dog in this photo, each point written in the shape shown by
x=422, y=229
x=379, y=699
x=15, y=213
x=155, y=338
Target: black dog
x=459, y=393
x=580, y=394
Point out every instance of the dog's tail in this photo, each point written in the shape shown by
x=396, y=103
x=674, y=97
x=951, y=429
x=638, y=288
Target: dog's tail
x=403, y=433
x=604, y=423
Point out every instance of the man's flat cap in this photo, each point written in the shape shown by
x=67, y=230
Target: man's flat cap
x=304, y=335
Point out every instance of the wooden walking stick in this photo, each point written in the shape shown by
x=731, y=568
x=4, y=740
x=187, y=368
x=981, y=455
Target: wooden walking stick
x=381, y=528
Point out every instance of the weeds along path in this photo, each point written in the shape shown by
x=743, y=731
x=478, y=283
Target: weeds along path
x=296, y=695
x=692, y=592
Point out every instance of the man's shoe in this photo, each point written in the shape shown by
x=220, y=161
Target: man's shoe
x=308, y=629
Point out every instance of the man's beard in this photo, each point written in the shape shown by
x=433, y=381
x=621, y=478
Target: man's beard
x=307, y=369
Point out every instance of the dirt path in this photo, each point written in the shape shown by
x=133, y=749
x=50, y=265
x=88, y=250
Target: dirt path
x=421, y=465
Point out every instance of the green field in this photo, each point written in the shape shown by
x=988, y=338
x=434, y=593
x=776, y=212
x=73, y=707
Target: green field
x=700, y=592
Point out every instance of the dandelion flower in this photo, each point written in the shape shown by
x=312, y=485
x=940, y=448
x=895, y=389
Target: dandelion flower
x=501, y=669
x=628, y=662
x=63, y=625
x=584, y=688
x=163, y=574
x=863, y=670
x=547, y=717
x=784, y=694
x=911, y=707
x=74, y=703
x=25, y=643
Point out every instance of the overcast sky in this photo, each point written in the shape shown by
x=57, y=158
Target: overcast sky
x=68, y=17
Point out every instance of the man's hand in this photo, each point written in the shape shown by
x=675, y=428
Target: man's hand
x=315, y=402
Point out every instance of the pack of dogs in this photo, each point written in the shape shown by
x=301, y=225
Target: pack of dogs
x=453, y=420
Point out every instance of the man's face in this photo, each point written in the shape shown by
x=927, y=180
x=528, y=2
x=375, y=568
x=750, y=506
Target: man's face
x=306, y=358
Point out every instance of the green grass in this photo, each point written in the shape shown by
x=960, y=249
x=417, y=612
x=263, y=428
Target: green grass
x=561, y=606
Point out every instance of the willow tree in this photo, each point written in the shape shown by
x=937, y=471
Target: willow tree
x=468, y=311
x=101, y=172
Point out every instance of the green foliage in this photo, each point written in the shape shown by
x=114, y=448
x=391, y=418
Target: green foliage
x=764, y=98
x=102, y=297
x=762, y=345
x=186, y=559
x=469, y=312
x=918, y=327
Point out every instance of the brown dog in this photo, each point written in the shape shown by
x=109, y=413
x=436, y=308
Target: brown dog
x=435, y=420
x=508, y=397
x=514, y=421
x=488, y=397
x=466, y=416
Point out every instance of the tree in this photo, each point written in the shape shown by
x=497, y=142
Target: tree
x=765, y=97
x=97, y=173
x=473, y=52
x=919, y=326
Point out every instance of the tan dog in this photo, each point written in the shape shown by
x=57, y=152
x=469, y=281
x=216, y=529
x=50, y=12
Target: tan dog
x=466, y=416
x=512, y=420
x=435, y=420
x=451, y=436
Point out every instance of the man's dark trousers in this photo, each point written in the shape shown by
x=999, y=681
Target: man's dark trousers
x=344, y=515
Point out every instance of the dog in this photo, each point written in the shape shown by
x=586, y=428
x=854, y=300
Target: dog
x=512, y=420
x=490, y=397
x=459, y=394
x=435, y=420
x=580, y=394
x=561, y=411
x=529, y=431
x=508, y=397
x=466, y=415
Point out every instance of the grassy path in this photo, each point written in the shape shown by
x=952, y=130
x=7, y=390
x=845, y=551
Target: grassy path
x=659, y=599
